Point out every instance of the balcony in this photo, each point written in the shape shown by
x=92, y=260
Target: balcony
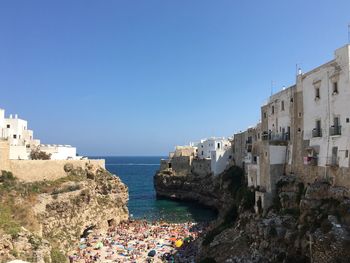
x=335, y=130
x=316, y=132
x=332, y=161
x=275, y=136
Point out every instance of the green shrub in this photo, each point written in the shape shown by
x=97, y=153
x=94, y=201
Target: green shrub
x=245, y=197
x=234, y=176
x=208, y=260
x=292, y=211
x=6, y=176
x=7, y=223
x=57, y=256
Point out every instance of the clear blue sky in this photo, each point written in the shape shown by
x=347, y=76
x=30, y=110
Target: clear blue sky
x=138, y=77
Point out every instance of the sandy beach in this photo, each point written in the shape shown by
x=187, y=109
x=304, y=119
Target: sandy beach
x=140, y=241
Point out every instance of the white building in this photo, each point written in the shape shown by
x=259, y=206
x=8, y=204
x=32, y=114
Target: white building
x=326, y=96
x=219, y=150
x=15, y=130
x=59, y=152
x=22, y=142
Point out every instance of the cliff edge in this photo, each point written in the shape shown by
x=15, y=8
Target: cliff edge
x=41, y=221
x=307, y=223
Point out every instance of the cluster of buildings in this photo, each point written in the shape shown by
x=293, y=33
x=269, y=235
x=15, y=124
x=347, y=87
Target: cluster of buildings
x=21, y=141
x=209, y=156
x=304, y=130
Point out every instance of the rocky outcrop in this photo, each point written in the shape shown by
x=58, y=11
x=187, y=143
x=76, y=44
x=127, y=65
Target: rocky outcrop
x=62, y=211
x=97, y=202
x=211, y=191
x=305, y=222
x=26, y=246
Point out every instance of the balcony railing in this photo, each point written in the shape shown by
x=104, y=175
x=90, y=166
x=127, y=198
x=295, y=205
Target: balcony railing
x=316, y=133
x=275, y=136
x=332, y=161
x=335, y=130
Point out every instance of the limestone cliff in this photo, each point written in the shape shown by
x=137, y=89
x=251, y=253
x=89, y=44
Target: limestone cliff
x=58, y=212
x=211, y=191
x=306, y=221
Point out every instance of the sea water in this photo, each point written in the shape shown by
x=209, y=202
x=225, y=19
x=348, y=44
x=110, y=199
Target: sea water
x=137, y=173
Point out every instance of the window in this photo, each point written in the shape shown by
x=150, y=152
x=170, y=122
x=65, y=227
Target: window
x=14, y=136
x=346, y=153
x=273, y=110
x=202, y=153
x=335, y=87
x=299, y=114
x=218, y=145
x=318, y=124
x=282, y=105
x=291, y=99
x=317, y=93
x=336, y=121
x=347, y=120
x=8, y=126
x=264, y=115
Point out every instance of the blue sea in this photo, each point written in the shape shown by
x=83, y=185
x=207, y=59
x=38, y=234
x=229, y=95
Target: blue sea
x=137, y=173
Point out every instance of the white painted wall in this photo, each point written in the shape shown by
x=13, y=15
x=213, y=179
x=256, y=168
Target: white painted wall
x=277, y=154
x=59, y=152
x=328, y=106
x=19, y=152
x=220, y=159
x=279, y=117
x=206, y=146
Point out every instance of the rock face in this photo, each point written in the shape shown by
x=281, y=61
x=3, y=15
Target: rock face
x=63, y=210
x=99, y=202
x=211, y=191
x=306, y=221
x=26, y=246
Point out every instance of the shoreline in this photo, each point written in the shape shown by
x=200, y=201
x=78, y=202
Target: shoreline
x=140, y=241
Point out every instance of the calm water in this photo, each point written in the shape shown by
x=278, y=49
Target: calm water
x=137, y=173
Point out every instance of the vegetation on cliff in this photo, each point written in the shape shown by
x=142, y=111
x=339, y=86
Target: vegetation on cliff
x=56, y=211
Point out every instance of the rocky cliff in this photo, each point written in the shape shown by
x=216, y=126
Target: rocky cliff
x=56, y=213
x=211, y=191
x=306, y=222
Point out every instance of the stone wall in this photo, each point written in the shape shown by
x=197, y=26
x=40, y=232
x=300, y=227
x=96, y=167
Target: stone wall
x=201, y=167
x=181, y=164
x=37, y=170
x=4, y=155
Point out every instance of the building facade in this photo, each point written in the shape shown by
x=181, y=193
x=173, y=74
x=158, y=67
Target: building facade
x=21, y=140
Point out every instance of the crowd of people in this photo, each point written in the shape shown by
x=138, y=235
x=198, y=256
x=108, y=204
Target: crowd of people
x=140, y=241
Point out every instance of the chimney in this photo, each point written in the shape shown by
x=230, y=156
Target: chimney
x=16, y=116
x=299, y=71
x=10, y=116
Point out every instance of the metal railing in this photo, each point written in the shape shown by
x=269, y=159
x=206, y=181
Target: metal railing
x=335, y=130
x=275, y=136
x=316, y=133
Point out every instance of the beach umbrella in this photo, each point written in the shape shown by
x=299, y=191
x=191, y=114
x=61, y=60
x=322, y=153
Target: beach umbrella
x=172, y=239
x=178, y=243
x=152, y=253
x=82, y=246
x=99, y=245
